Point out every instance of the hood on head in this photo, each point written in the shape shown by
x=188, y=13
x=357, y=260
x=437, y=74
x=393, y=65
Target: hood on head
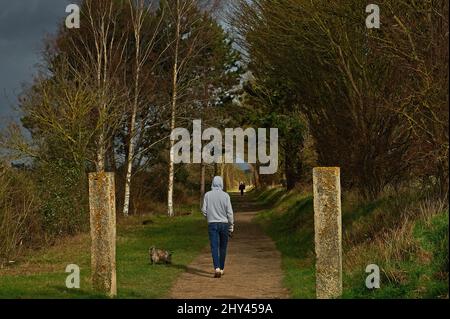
x=217, y=183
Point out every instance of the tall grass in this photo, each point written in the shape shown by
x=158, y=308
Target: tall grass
x=405, y=235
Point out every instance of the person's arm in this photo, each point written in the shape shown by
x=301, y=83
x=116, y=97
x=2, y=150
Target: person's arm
x=230, y=215
x=205, y=206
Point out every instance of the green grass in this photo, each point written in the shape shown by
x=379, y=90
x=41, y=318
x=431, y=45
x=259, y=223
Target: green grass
x=421, y=273
x=42, y=274
x=412, y=253
x=433, y=238
x=290, y=224
x=268, y=197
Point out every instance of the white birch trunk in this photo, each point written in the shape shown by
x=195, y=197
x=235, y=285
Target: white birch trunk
x=202, y=183
x=131, y=147
x=170, y=210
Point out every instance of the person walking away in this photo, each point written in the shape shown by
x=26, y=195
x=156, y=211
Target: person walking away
x=242, y=188
x=218, y=211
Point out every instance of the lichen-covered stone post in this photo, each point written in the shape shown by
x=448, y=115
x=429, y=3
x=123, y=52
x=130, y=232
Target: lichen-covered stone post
x=102, y=204
x=328, y=232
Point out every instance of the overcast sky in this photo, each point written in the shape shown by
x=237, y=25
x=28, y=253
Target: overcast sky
x=23, y=26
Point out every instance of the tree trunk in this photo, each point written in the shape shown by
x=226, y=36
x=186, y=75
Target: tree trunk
x=132, y=131
x=112, y=163
x=216, y=169
x=101, y=153
x=293, y=170
x=202, y=183
x=130, y=157
x=170, y=210
x=256, y=175
x=228, y=182
x=222, y=174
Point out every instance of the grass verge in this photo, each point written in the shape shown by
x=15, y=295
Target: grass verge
x=406, y=237
x=42, y=274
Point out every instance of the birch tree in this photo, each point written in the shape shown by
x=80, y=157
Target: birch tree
x=203, y=66
x=144, y=45
x=178, y=12
x=96, y=54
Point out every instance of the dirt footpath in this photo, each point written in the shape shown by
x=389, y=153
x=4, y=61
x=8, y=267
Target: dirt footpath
x=252, y=270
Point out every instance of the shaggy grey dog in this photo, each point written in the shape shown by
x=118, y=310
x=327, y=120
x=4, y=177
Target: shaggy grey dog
x=159, y=256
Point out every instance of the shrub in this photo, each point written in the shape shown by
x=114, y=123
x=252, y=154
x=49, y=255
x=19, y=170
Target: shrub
x=20, y=223
x=64, y=192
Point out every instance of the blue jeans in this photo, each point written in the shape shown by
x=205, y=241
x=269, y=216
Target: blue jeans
x=218, y=238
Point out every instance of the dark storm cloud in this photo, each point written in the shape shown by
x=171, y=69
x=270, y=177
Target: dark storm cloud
x=23, y=26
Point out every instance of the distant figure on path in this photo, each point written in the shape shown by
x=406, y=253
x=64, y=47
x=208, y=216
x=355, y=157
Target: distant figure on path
x=242, y=188
x=219, y=213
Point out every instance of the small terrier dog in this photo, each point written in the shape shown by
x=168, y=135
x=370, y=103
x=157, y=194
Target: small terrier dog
x=159, y=256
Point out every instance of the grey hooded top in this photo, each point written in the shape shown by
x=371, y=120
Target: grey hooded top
x=217, y=204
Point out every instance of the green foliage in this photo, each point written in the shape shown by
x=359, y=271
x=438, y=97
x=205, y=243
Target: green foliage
x=270, y=104
x=374, y=100
x=64, y=194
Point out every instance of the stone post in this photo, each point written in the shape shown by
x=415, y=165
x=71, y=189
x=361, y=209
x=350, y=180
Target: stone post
x=102, y=203
x=328, y=232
